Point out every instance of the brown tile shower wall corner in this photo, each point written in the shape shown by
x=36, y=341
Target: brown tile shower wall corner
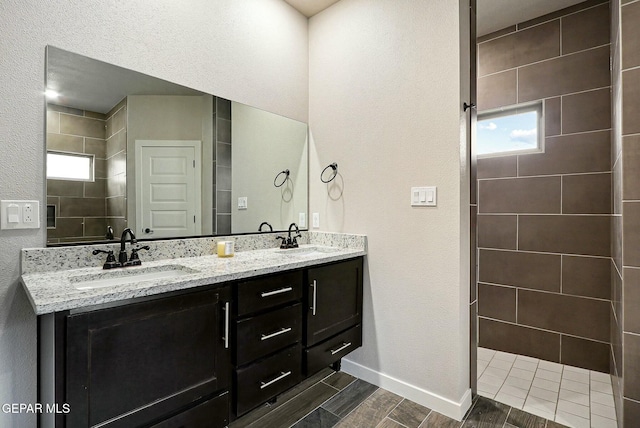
x=222, y=164
x=80, y=206
x=116, y=168
x=544, y=219
x=625, y=231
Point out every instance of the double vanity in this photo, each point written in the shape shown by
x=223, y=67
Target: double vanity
x=190, y=339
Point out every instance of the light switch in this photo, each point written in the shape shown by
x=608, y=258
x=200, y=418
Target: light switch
x=423, y=196
x=242, y=203
x=13, y=213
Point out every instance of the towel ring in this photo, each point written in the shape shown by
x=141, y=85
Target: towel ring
x=333, y=166
x=286, y=175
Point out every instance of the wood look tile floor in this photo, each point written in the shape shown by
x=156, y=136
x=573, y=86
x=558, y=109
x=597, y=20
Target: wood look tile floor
x=336, y=399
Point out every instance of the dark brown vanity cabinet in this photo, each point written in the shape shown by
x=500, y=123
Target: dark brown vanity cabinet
x=163, y=362
x=195, y=359
x=268, y=357
x=334, y=314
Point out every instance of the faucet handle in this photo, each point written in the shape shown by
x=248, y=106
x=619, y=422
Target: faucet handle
x=134, y=259
x=294, y=242
x=111, y=259
x=283, y=244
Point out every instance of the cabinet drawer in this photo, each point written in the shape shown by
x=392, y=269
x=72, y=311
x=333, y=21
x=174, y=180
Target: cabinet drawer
x=265, y=379
x=213, y=413
x=261, y=335
x=259, y=294
x=330, y=351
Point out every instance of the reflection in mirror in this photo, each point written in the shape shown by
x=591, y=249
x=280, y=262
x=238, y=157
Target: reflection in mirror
x=162, y=159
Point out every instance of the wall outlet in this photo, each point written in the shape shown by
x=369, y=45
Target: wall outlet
x=316, y=220
x=19, y=215
x=27, y=213
x=302, y=220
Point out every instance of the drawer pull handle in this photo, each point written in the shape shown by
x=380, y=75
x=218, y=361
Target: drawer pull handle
x=283, y=330
x=274, y=292
x=263, y=385
x=227, y=314
x=342, y=348
x=314, y=297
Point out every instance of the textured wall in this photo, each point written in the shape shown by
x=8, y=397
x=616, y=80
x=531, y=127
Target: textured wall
x=385, y=105
x=544, y=219
x=253, y=51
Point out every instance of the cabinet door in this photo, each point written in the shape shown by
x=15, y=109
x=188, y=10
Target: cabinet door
x=128, y=365
x=334, y=298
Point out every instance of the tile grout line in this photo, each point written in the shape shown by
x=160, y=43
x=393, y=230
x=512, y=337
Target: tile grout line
x=354, y=409
x=542, y=22
x=517, y=67
x=549, y=331
x=544, y=252
x=391, y=419
x=560, y=174
x=282, y=404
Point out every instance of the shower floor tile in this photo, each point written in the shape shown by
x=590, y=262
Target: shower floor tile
x=572, y=396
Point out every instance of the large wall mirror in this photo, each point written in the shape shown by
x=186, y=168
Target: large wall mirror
x=125, y=149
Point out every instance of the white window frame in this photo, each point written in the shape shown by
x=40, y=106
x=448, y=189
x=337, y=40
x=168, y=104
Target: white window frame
x=537, y=106
x=92, y=171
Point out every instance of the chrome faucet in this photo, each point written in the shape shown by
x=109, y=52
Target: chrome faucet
x=122, y=256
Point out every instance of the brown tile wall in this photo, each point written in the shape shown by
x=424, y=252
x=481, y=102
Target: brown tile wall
x=80, y=206
x=116, y=168
x=544, y=219
x=222, y=166
x=625, y=230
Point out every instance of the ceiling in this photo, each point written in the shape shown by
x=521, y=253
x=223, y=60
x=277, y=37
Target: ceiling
x=494, y=15
x=310, y=7
x=112, y=86
x=93, y=85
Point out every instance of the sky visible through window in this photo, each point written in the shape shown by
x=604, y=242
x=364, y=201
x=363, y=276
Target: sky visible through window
x=514, y=132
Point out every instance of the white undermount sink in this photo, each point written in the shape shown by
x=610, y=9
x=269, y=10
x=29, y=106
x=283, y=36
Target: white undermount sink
x=132, y=275
x=310, y=251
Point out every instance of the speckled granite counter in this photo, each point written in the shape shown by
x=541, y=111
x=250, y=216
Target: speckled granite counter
x=54, y=290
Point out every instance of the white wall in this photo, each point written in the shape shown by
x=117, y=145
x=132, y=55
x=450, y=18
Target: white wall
x=251, y=51
x=263, y=145
x=384, y=91
x=171, y=117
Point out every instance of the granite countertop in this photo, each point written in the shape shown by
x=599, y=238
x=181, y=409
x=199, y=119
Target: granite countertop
x=56, y=291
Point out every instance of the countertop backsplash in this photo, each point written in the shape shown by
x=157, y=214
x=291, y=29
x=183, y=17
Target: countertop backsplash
x=51, y=259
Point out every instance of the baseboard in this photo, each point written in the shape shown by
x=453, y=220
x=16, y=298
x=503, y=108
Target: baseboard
x=452, y=409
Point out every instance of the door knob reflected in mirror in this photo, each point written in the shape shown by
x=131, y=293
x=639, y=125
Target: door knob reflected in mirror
x=147, y=230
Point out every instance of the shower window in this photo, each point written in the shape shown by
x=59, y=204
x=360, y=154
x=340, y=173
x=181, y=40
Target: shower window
x=70, y=166
x=510, y=130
